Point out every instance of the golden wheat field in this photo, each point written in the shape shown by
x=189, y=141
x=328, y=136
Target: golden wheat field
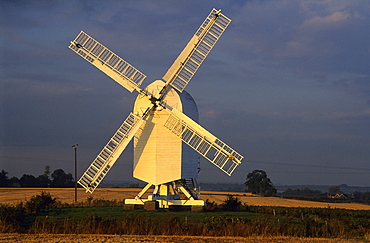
x=16, y=195
x=82, y=238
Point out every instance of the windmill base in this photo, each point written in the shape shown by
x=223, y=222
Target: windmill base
x=176, y=193
x=164, y=203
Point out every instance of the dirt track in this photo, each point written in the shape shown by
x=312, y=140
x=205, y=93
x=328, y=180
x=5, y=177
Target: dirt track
x=158, y=239
x=16, y=195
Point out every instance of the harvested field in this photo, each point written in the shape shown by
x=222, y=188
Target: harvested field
x=51, y=238
x=16, y=195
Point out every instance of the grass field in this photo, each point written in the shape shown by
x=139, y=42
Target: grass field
x=16, y=195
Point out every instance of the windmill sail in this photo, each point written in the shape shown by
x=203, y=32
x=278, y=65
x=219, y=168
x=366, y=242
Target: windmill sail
x=193, y=55
x=202, y=141
x=110, y=153
x=108, y=62
x=162, y=151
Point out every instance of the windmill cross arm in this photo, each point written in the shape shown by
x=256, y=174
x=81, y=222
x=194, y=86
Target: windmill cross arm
x=109, y=63
x=218, y=12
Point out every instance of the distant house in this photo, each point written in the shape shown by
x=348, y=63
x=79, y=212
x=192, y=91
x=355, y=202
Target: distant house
x=338, y=195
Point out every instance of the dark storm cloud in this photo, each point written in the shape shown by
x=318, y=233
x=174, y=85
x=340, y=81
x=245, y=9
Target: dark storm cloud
x=288, y=84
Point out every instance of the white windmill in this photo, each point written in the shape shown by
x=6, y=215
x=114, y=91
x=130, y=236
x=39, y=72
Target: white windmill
x=163, y=123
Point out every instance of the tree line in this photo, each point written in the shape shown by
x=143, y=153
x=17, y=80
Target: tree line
x=333, y=195
x=58, y=179
x=258, y=183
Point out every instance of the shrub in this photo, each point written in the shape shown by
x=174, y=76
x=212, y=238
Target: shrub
x=11, y=218
x=211, y=206
x=40, y=202
x=231, y=203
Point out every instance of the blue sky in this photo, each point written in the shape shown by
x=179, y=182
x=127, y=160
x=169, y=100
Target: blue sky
x=287, y=85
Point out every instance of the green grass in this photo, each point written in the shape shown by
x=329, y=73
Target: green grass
x=264, y=221
x=116, y=220
x=118, y=212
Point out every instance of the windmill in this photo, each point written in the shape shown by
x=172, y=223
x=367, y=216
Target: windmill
x=163, y=124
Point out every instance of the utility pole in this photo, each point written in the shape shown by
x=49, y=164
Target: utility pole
x=75, y=148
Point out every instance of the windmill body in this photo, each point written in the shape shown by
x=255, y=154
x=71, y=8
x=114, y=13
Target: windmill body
x=163, y=124
x=159, y=155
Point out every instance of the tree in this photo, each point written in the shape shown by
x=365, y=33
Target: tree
x=44, y=180
x=47, y=170
x=3, y=178
x=61, y=179
x=28, y=181
x=258, y=183
x=14, y=182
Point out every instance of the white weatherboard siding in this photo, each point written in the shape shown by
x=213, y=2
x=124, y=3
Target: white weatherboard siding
x=159, y=155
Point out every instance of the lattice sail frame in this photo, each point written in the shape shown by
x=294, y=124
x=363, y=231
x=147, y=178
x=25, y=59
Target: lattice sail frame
x=108, y=62
x=101, y=165
x=202, y=141
x=195, y=52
